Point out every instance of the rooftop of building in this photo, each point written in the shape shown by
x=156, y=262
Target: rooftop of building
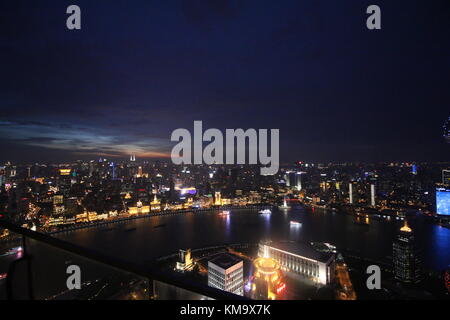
x=225, y=260
x=302, y=249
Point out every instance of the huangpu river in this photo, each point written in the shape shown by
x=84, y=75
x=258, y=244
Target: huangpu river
x=141, y=241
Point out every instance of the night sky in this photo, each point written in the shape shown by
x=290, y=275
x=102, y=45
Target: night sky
x=140, y=69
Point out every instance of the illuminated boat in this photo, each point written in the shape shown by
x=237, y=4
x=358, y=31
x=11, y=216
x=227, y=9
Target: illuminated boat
x=16, y=250
x=285, y=205
x=295, y=224
x=265, y=211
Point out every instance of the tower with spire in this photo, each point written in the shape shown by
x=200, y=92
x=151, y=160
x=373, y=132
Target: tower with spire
x=155, y=205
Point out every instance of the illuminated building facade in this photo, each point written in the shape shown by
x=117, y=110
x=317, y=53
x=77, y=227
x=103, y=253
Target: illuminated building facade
x=185, y=262
x=287, y=178
x=65, y=172
x=407, y=264
x=293, y=179
x=58, y=204
x=218, y=199
x=226, y=272
x=267, y=282
x=350, y=193
x=301, y=259
x=155, y=205
x=372, y=195
x=443, y=201
x=299, y=181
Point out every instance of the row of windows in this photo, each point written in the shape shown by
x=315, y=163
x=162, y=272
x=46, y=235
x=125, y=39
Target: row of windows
x=216, y=278
x=296, y=264
x=236, y=276
x=215, y=272
x=216, y=284
x=235, y=287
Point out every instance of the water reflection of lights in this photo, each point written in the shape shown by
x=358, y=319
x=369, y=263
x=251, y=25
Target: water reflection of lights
x=224, y=213
x=227, y=222
x=295, y=224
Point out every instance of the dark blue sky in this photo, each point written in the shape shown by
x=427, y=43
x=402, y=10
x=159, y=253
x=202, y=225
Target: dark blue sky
x=140, y=69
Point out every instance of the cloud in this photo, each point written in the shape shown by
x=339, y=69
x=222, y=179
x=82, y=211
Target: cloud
x=88, y=141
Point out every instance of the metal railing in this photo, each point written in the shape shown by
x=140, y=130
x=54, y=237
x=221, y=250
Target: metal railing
x=33, y=275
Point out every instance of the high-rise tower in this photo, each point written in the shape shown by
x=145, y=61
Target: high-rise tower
x=372, y=195
x=446, y=177
x=447, y=130
x=406, y=260
x=350, y=192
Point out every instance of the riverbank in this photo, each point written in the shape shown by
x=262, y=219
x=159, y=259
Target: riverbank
x=127, y=218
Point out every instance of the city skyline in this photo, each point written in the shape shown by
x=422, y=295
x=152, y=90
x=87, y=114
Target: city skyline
x=309, y=232
x=240, y=151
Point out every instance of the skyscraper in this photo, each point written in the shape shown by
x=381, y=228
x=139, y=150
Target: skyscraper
x=226, y=272
x=406, y=260
x=446, y=177
x=350, y=192
x=2, y=176
x=287, y=178
x=299, y=181
x=447, y=130
x=372, y=195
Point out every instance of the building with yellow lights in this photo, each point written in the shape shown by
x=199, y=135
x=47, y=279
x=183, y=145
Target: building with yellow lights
x=185, y=262
x=155, y=205
x=302, y=259
x=267, y=283
x=65, y=172
x=217, y=199
x=139, y=209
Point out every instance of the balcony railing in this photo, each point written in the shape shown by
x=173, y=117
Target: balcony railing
x=36, y=266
